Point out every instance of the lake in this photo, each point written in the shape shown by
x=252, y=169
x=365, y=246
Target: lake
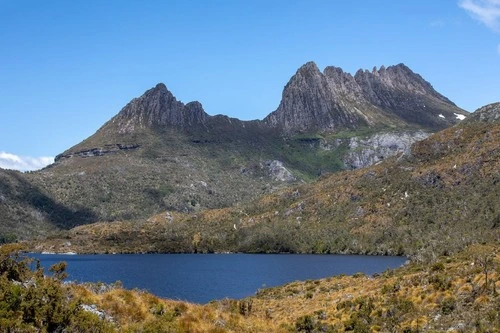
x=200, y=278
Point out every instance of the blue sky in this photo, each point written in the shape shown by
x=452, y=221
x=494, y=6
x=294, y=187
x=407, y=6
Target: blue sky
x=66, y=67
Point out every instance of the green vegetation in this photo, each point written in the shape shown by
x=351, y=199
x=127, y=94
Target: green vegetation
x=169, y=170
x=434, y=202
x=33, y=302
x=401, y=300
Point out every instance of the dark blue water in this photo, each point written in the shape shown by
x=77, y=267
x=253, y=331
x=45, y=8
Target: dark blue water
x=201, y=278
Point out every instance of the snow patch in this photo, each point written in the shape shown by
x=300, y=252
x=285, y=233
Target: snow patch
x=441, y=116
x=459, y=116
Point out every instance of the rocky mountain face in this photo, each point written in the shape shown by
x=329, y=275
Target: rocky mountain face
x=158, y=153
x=432, y=201
x=363, y=152
x=157, y=108
x=488, y=114
x=315, y=101
x=332, y=100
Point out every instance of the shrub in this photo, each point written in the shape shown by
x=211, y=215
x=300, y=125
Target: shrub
x=32, y=302
x=305, y=324
x=440, y=282
x=245, y=307
x=448, y=305
x=438, y=266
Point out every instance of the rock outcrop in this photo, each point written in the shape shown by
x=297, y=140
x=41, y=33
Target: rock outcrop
x=489, y=113
x=407, y=95
x=97, y=151
x=278, y=172
x=364, y=152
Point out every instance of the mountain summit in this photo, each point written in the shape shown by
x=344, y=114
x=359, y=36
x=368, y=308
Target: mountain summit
x=160, y=154
x=158, y=107
x=312, y=101
x=331, y=100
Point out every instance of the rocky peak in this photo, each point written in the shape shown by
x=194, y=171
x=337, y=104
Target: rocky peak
x=309, y=102
x=309, y=68
x=341, y=82
x=158, y=107
x=398, y=77
x=333, y=99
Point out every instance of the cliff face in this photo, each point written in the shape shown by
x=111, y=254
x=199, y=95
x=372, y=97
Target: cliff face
x=314, y=101
x=158, y=107
x=332, y=100
x=407, y=95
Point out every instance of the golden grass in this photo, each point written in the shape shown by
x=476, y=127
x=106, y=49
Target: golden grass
x=417, y=297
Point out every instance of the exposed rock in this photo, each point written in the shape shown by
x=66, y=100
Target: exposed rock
x=488, y=113
x=279, y=172
x=311, y=101
x=332, y=100
x=406, y=94
x=364, y=152
x=97, y=151
x=92, y=308
x=158, y=107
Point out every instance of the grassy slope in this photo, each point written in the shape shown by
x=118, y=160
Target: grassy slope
x=184, y=172
x=438, y=200
x=459, y=293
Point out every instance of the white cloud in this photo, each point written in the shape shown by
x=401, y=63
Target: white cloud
x=485, y=11
x=23, y=163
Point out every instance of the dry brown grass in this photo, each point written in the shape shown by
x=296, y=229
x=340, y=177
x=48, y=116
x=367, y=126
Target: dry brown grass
x=448, y=295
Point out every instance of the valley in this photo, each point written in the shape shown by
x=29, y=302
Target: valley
x=378, y=163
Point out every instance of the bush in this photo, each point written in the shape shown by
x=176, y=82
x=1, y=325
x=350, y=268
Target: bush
x=438, y=266
x=305, y=324
x=32, y=302
x=245, y=307
x=440, y=282
x=448, y=305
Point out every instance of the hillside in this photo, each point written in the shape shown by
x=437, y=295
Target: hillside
x=160, y=154
x=435, y=200
x=458, y=293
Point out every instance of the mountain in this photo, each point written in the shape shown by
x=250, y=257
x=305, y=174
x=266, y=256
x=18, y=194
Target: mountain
x=435, y=200
x=157, y=108
x=160, y=154
x=332, y=100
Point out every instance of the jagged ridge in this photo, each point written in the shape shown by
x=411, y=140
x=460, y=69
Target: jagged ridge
x=334, y=100
x=158, y=153
x=312, y=101
x=435, y=200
